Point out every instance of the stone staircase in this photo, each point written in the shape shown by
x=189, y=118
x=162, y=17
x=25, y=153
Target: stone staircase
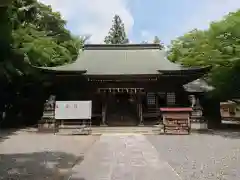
x=127, y=130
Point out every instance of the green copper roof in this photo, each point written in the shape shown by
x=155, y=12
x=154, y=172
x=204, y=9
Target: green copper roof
x=127, y=59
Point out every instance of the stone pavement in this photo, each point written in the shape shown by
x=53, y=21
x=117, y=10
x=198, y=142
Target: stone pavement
x=33, y=156
x=123, y=157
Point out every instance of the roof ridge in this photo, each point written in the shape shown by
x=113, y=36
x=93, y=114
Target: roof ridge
x=120, y=46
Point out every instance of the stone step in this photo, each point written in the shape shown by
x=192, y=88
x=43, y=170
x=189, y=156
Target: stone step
x=140, y=130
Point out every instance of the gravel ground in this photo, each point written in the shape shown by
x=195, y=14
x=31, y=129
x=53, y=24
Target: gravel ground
x=201, y=156
x=32, y=156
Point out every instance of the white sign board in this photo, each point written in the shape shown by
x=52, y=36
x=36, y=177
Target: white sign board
x=73, y=110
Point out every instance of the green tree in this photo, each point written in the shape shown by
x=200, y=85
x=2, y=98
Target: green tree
x=31, y=34
x=52, y=23
x=117, y=34
x=5, y=40
x=5, y=3
x=156, y=40
x=5, y=35
x=219, y=46
x=40, y=34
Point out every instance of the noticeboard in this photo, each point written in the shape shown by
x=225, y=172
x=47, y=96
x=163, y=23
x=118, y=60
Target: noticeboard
x=73, y=110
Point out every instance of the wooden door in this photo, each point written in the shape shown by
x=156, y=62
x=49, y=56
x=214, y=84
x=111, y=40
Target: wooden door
x=122, y=111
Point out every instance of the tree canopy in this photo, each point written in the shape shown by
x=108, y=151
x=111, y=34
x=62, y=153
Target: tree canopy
x=35, y=34
x=32, y=34
x=156, y=40
x=117, y=34
x=218, y=46
x=40, y=34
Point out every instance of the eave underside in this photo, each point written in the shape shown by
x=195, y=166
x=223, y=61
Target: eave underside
x=186, y=71
x=179, y=78
x=183, y=73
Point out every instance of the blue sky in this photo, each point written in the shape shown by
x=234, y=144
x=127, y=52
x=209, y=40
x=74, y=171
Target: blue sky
x=143, y=19
x=165, y=19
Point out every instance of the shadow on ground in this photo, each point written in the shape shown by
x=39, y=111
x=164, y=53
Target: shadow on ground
x=225, y=130
x=37, y=166
x=6, y=133
x=224, y=133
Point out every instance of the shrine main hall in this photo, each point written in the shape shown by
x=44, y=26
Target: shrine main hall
x=126, y=83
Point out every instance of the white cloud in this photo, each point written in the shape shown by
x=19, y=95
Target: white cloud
x=213, y=10
x=147, y=36
x=92, y=17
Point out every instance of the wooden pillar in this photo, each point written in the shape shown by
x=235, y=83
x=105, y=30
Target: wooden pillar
x=157, y=108
x=104, y=110
x=157, y=105
x=141, y=115
x=140, y=110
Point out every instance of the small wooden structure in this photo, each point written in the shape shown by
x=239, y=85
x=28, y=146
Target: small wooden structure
x=229, y=111
x=176, y=120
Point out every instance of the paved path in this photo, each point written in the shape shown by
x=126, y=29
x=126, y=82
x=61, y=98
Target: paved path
x=34, y=156
x=123, y=157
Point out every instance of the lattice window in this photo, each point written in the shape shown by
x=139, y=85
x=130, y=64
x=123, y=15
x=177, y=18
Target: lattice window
x=151, y=98
x=162, y=95
x=171, y=98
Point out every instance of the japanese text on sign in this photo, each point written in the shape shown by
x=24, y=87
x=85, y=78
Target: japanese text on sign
x=68, y=106
x=73, y=110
